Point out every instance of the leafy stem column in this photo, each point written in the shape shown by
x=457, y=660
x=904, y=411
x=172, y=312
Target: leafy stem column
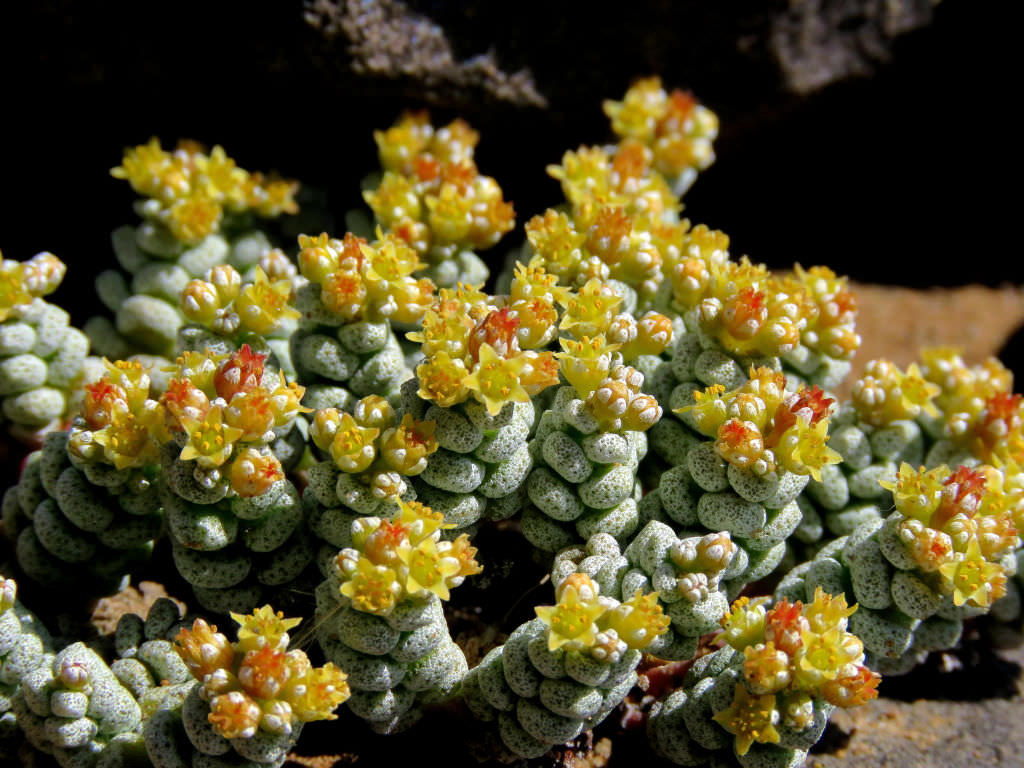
x=764, y=698
x=565, y=670
x=91, y=495
x=235, y=521
x=41, y=356
x=199, y=210
x=380, y=614
x=344, y=347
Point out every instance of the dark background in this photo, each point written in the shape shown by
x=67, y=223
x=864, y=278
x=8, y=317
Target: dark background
x=898, y=178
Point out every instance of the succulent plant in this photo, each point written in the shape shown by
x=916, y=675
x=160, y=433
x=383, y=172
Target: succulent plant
x=370, y=458
x=245, y=702
x=344, y=347
x=874, y=433
x=588, y=447
x=225, y=310
x=380, y=615
x=565, y=670
x=944, y=554
x=198, y=212
x=764, y=698
x=685, y=575
x=235, y=521
x=41, y=356
x=433, y=198
x=23, y=642
x=677, y=130
x=485, y=365
x=738, y=462
x=71, y=706
x=91, y=495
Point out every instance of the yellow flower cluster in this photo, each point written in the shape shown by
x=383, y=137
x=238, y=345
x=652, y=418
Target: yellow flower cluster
x=431, y=195
x=794, y=654
x=678, y=130
x=363, y=281
x=603, y=239
x=829, y=308
x=977, y=404
x=624, y=221
x=256, y=683
x=123, y=425
x=228, y=412
x=371, y=442
x=224, y=305
x=390, y=560
x=958, y=526
x=885, y=394
x=761, y=427
x=190, y=190
x=486, y=347
x=583, y=620
x=23, y=281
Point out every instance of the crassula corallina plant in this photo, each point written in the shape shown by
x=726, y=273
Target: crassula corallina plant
x=943, y=555
x=764, y=698
x=199, y=210
x=370, y=457
x=41, y=356
x=91, y=495
x=344, y=347
x=433, y=197
x=485, y=364
x=72, y=707
x=235, y=520
x=380, y=614
x=23, y=642
x=979, y=418
x=622, y=222
x=674, y=126
x=685, y=575
x=732, y=315
x=874, y=433
x=248, y=701
x=565, y=670
x=739, y=465
x=588, y=447
x=225, y=311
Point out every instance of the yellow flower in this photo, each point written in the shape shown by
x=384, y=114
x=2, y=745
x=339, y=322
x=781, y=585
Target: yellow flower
x=203, y=649
x=315, y=694
x=591, y=311
x=263, y=305
x=972, y=579
x=253, y=473
x=190, y=219
x=406, y=447
x=573, y=621
x=586, y=363
x=234, y=715
x=766, y=668
x=637, y=621
x=352, y=448
x=744, y=625
x=210, y=441
x=372, y=588
x=495, y=380
x=429, y=569
x=750, y=718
